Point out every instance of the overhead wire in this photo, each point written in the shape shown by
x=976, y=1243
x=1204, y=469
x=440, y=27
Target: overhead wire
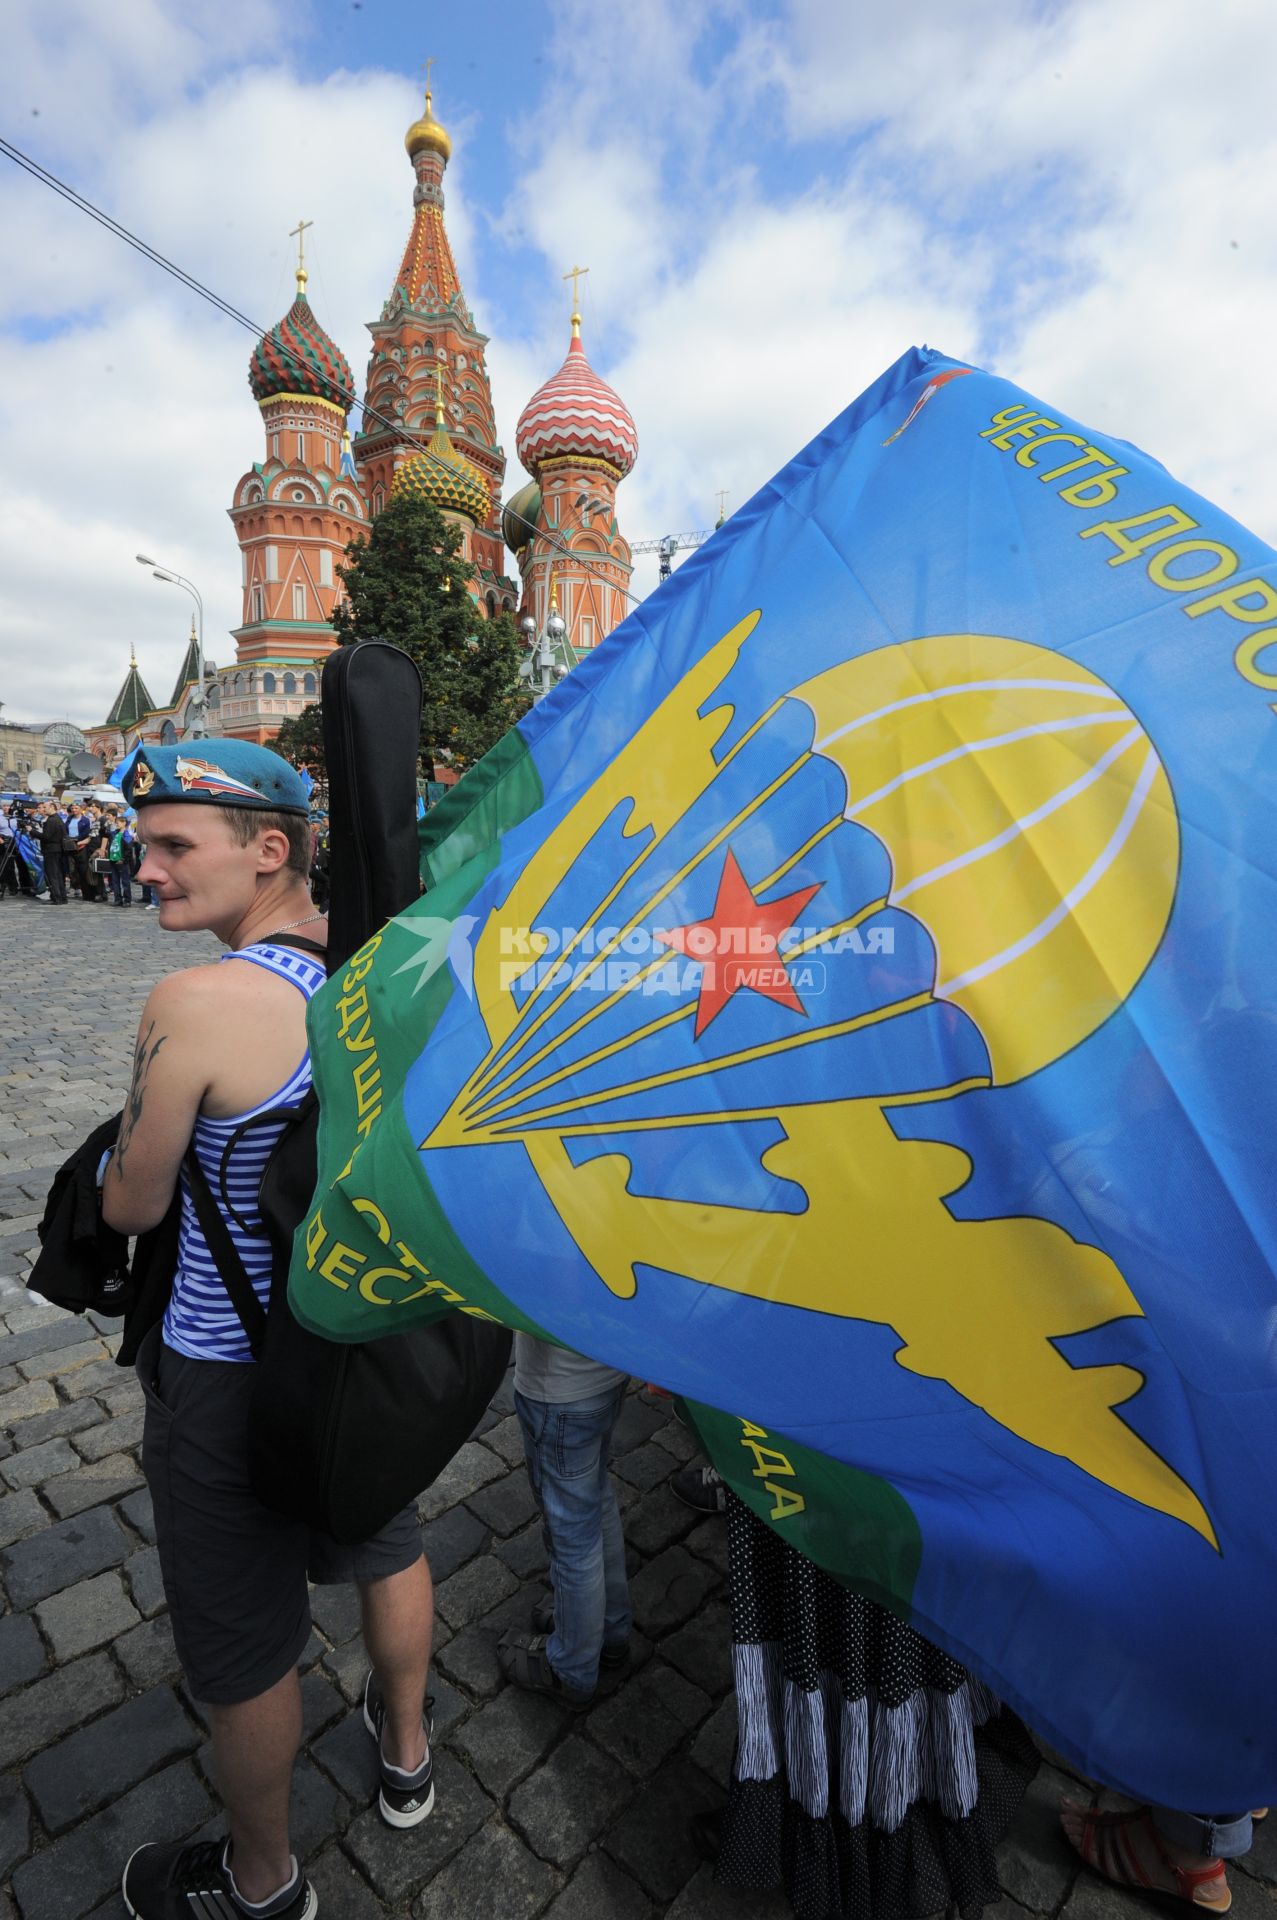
x=120, y=232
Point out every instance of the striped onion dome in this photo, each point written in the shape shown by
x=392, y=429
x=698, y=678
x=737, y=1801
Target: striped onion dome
x=446, y=478
x=297, y=356
x=576, y=414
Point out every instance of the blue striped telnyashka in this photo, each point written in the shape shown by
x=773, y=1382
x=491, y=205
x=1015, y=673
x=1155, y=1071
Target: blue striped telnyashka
x=200, y=1320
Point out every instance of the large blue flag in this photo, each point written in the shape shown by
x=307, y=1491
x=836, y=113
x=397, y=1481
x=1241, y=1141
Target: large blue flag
x=849, y=1002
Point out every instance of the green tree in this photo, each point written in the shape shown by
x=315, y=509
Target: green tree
x=408, y=583
x=301, y=742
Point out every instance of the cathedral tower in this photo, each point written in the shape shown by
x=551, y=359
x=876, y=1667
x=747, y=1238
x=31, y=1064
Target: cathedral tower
x=577, y=439
x=294, y=514
x=128, y=710
x=426, y=375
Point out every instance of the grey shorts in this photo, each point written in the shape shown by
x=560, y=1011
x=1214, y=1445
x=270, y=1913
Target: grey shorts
x=235, y=1574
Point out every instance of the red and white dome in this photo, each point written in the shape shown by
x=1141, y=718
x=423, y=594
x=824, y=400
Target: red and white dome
x=575, y=414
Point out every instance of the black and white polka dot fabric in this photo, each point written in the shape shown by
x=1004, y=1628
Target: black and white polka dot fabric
x=873, y=1777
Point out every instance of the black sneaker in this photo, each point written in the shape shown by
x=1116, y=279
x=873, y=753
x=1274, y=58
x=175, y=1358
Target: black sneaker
x=182, y=1881
x=700, y=1487
x=405, y=1798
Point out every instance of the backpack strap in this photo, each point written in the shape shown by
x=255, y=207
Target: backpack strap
x=231, y=1269
x=270, y=1116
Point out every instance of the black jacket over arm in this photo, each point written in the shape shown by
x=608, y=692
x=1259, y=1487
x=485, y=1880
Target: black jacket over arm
x=83, y=1263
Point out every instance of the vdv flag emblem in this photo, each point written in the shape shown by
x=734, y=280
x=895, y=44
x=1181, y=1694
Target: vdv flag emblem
x=848, y=1002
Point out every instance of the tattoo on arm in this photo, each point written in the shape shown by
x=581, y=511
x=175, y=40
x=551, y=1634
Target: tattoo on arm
x=143, y=1060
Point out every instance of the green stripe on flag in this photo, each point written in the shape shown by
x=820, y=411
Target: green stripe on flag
x=488, y=801
x=854, y=1525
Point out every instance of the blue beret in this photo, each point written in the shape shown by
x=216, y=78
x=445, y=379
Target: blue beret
x=217, y=773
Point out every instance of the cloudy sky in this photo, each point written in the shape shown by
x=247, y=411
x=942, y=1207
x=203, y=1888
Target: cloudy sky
x=775, y=198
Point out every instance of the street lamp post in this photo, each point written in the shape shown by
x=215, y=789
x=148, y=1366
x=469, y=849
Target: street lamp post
x=586, y=506
x=173, y=579
x=550, y=656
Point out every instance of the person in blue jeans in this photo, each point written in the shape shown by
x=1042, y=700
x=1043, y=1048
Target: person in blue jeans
x=1159, y=1851
x=120, y=855
x=567, y=1406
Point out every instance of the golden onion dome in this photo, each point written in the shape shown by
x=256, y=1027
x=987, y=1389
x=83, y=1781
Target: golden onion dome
x=426, y=135
x=446, y=478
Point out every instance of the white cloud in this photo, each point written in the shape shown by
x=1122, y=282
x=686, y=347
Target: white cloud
x=608, y=201
x=736, y=371
x=84, y=70
x=1076, y=196
x=1116, y=158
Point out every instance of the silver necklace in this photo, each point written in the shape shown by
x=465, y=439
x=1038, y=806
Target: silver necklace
x=295, y=923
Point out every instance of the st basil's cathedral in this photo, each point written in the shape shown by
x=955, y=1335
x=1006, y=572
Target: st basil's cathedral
x=428, y=428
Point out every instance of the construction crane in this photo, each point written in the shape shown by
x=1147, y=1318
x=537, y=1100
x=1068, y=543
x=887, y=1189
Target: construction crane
x=669, y=544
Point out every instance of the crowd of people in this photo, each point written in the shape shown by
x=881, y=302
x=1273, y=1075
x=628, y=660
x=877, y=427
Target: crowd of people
x=51, y=850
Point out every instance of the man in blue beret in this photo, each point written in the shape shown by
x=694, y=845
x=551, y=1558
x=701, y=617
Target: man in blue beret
x=228, y=851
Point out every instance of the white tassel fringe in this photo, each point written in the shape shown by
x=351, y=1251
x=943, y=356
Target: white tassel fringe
x=923, y=1749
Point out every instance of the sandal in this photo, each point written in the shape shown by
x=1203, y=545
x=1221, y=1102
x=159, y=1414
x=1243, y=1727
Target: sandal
x=1126, y=1848
x=524, y=1661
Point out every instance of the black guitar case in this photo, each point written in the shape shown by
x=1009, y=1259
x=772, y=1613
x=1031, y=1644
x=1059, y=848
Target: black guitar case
x=343, y=1436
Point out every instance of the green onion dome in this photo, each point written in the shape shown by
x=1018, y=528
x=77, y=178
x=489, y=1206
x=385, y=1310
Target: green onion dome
x=297, y=356
x=522, y=512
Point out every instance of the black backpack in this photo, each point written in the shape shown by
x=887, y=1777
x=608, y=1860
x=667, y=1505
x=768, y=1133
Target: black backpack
x=341, y=1436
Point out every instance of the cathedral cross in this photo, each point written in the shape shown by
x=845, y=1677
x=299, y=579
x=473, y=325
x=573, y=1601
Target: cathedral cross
x=575, y=275
x=299, y=235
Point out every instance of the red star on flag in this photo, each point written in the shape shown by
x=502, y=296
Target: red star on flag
x=739, y=944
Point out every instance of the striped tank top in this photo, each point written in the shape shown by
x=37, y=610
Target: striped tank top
x=200, y=1320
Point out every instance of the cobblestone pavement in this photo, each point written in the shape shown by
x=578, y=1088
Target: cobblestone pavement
x=539, y=1812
